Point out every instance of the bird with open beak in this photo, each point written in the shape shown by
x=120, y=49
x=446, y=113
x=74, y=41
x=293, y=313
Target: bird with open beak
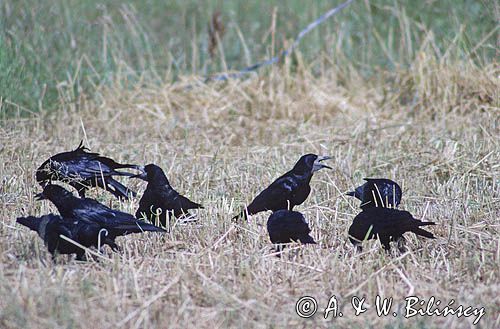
x=289, y=190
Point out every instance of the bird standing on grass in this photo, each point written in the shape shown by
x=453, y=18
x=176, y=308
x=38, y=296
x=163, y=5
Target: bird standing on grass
x=378, y=192
x=83, y=170
x=289, y=190
x=285, y=226
x=160, y=198
x=51, y=227
x=387, y=225
x=91, y=212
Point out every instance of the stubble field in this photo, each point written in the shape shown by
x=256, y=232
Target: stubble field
x=433, y=127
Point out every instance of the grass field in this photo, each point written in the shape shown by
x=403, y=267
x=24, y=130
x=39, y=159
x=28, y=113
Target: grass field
x=47, y=46
x=429, y=120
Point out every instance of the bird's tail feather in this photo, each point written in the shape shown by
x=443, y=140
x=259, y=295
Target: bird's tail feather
x=307, y=239
x=138, y=227
x=423, y=232
x=193, y=205
x=426, y=223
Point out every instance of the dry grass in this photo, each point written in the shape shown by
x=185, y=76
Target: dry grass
x=433, y=127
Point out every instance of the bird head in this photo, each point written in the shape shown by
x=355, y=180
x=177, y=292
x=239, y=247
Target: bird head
x=357, y=193
x=152, y=173
x=43, y=173
x=53, y=193
x=310, y=163
x=382, y=192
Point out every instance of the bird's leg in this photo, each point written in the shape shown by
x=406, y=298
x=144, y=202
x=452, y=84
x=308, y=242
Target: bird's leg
x=386, y=245
x=401, y=241
x=81, y=256
x=113, y=245
x=358, y=248
x=280, y=247
x=53, y=257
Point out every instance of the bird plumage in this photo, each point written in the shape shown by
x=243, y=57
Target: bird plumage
x=160, y=198
x=50, y=228
x=386, y=224
x=287, y=191
x=286, y=226
x=378, y=192
x=82, y=170
x=91, y=212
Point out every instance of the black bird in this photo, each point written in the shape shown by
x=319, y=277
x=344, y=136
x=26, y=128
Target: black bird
x=378, y=192
x=289, y=190
x=286, y=226
x=50, y=227
x=387, y=224
x=83, y=170
x=91, y=212
x=160, y=198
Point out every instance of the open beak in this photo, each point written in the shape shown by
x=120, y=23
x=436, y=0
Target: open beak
x=142, y=175
x=140, y=168
x=318, y=165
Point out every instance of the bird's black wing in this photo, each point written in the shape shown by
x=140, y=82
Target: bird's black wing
x=275, y=196
x=53, y=231
x=396, y=222
x=94, y=212
x=297, y=225
x=386, y=223
x=284, y=226
x=167, y=198
x=113, y=164
x=187, y=204
x=84, y=168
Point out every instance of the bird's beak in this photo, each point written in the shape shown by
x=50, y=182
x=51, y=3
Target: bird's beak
x=142, y=175
x=318, y=165
x=40, y=196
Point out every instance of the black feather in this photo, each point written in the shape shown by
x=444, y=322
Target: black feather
x=82, y=170
x=287, y=191
x=160, y=198
x=285, y=226
x=385, y=224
